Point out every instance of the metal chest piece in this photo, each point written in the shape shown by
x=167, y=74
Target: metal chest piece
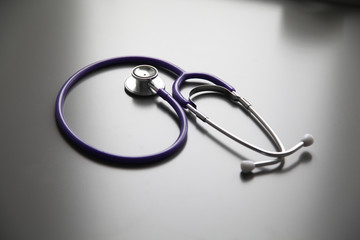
x=144, y=81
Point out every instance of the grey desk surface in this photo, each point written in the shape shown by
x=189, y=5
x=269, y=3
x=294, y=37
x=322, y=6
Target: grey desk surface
x=297, y=62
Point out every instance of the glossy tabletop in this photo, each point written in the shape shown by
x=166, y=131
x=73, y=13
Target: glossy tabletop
x=297, y=63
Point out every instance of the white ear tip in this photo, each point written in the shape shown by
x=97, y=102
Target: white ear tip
x=307, y=139
x=247, y=166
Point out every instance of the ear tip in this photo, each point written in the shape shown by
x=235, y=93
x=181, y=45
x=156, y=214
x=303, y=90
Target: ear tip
x=307, y=139
x=247, y=166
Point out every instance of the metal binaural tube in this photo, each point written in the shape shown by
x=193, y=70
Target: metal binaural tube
x=280, y=147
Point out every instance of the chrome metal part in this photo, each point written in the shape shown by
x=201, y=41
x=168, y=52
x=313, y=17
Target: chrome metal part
x=144, y=81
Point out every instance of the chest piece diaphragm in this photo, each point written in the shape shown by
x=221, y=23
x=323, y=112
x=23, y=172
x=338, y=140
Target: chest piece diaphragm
x=144, y=81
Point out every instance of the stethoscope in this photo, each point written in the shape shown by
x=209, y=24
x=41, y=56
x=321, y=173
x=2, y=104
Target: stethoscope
x=145, y=81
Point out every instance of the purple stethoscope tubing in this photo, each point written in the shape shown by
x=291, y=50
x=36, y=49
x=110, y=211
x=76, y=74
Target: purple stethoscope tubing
x=177, y=102
x=185, y=76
